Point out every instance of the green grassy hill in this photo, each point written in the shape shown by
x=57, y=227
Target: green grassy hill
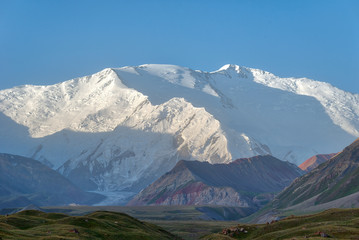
x=334, y=223
x=33, y=224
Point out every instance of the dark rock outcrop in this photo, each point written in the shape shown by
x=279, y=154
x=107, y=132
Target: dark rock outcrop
x=25, y=181
x=247, y=182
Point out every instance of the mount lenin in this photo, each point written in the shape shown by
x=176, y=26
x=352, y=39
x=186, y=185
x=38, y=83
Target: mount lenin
x=120, y=129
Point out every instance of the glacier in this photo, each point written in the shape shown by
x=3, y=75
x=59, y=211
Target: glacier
x=122, y=128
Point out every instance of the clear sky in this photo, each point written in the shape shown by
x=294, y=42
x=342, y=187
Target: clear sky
x=48, y=41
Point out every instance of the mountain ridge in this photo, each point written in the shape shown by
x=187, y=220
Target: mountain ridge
x=25, y=181
x=244, y=182
x=315, y=161
x=334, y=179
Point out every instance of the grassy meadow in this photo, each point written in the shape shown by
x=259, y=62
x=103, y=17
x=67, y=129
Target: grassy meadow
x=333, y=223
x=183, y=224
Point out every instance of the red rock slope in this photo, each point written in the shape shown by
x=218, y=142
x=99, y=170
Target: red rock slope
x=311, y=163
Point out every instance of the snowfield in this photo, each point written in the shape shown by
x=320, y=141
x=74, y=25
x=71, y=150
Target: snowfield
x=122, y=128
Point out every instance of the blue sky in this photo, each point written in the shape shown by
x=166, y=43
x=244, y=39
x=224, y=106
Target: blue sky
x=48, y=41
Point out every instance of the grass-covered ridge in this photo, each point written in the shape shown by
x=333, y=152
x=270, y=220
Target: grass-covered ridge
x=34, y=224
x=334, y=223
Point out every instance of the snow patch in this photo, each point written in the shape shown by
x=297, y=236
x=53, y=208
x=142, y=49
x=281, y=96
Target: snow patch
x=207, y=89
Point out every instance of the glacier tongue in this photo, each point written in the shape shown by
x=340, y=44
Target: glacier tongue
x=122, y=128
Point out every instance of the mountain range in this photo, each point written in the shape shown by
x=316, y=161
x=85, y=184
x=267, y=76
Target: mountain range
x=120, y=129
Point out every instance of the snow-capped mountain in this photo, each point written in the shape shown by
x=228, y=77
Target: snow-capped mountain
x=122, y=128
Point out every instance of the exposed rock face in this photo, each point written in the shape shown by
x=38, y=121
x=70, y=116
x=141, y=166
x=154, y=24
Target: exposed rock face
x=248, y=182
x=334, y=179
x=24, y=181
x=315, y=161
x=198, y=193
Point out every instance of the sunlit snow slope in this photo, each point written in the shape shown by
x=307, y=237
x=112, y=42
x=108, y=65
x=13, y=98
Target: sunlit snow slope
x=121, y=129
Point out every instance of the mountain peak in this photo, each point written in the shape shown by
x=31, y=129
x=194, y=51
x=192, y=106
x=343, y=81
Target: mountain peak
x=229, y=67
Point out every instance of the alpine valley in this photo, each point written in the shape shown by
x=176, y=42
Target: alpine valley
x=118, y=130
